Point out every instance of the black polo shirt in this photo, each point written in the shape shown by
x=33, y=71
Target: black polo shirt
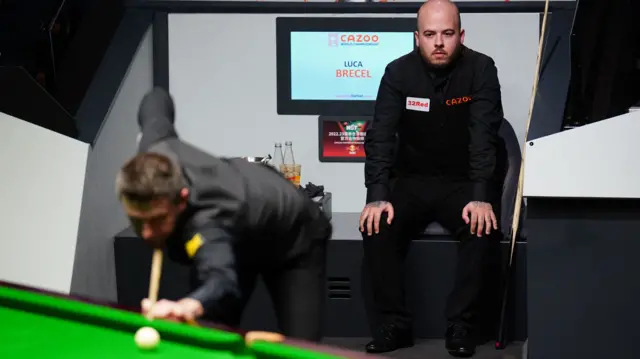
x=441, y=123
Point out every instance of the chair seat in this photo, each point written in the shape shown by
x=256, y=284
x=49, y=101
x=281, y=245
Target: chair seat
x=435, y=229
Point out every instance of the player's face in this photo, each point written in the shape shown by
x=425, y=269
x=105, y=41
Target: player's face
x=155, y=221
x=439, y=36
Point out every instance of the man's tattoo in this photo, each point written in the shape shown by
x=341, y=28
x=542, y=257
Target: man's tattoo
x=377, y=204
x=478, y=204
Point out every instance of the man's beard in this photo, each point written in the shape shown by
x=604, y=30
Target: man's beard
x=443, y=65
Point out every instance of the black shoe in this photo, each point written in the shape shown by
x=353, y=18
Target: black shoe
x=389, y=338
x=459, y=342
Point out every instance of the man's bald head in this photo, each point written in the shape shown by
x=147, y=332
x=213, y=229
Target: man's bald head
x=446, y=7
x=439, y=33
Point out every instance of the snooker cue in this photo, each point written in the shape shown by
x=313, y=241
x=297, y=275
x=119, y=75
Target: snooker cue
x=501, y=340
x=156, y=271
x=154, y=282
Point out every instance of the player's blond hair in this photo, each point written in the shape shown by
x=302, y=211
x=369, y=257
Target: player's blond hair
x=149, y=176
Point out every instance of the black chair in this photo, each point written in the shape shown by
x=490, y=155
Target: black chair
x=506, y=316
x=513, y=156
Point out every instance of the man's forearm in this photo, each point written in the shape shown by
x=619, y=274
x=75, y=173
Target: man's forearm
x=482, y=171
x=377, y=192
x=377, y=166
x=215, y=291
x=215, y=265
x=480, y=192
x=486, y=117
x=380, y=142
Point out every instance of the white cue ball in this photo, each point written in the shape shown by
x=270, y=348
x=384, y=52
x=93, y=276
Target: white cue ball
x=147, y=338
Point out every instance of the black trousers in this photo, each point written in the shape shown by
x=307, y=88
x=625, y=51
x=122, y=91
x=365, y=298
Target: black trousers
x=417, y=203
x=295, y=278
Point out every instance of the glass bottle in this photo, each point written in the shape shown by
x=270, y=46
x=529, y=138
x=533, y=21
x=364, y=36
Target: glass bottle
x=278, y=158
x=288, y=154
x=291, y=169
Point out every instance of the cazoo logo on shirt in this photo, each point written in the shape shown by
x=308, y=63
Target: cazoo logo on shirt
x=458, y=100
x=353, y=39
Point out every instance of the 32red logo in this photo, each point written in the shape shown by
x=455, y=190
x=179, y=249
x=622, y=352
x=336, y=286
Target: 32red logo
x=418, y=104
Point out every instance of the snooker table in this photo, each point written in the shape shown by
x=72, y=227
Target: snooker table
x=50, y=325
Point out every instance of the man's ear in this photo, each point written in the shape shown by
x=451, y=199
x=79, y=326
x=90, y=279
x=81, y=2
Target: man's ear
x=184, y=193
x=183, y=198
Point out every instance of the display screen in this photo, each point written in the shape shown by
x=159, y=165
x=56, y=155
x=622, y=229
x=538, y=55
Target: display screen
x=343, y=66
x=343, y=140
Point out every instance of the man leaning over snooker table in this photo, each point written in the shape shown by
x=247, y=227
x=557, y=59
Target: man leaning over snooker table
x=231, y=220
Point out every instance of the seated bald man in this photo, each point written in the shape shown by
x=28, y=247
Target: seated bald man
x=231, y=221
x=431, y=156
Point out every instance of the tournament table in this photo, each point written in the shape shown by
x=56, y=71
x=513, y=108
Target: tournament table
x=43, y=325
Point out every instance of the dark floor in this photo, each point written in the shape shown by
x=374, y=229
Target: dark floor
x=430, y=349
